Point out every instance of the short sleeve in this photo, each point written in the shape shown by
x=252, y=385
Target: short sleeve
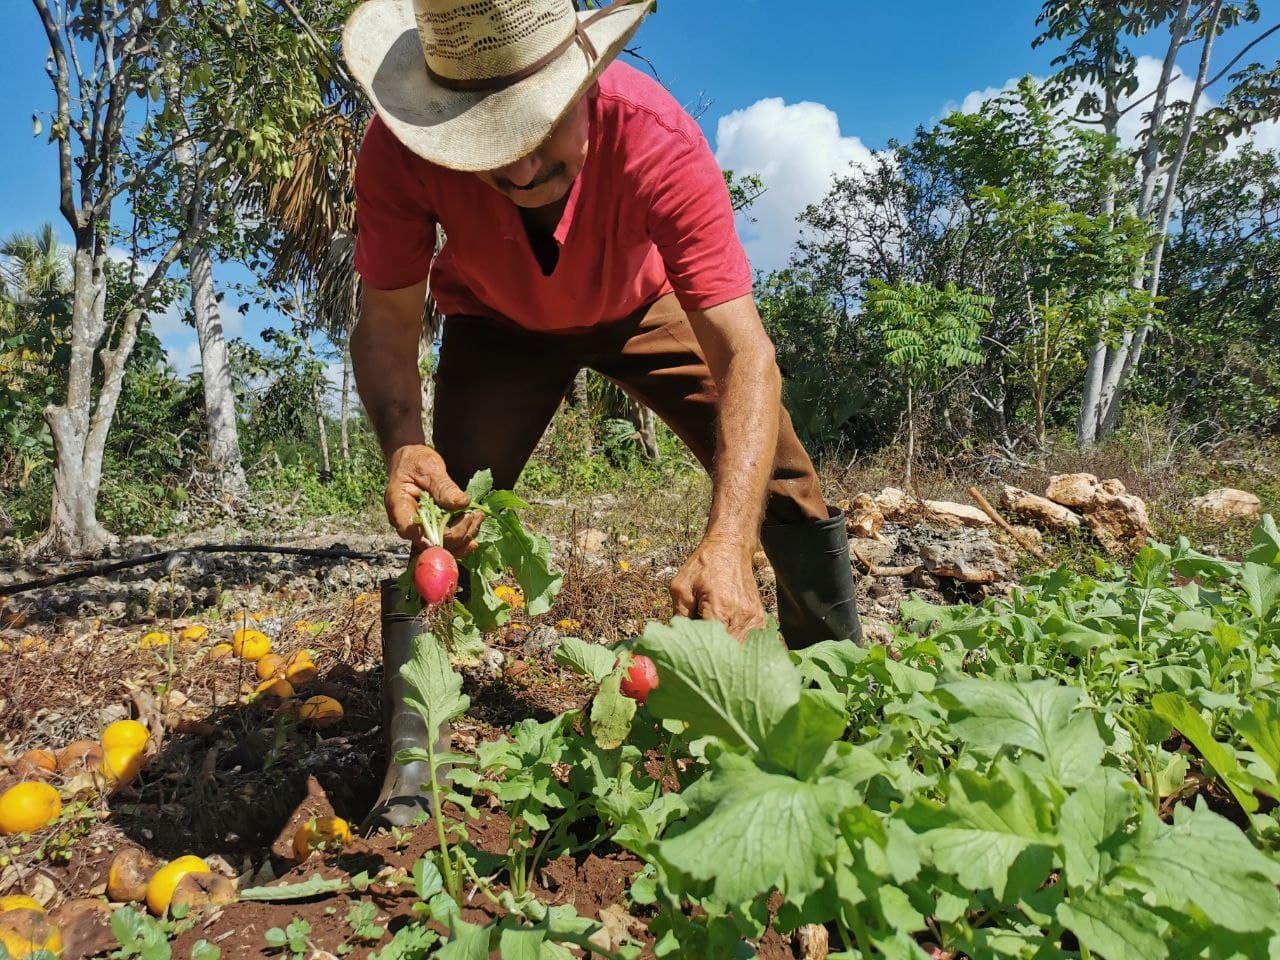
x=691, y=223
x=395, y=228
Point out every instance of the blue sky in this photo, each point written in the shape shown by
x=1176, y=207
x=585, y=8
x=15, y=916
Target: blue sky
x=796, y=92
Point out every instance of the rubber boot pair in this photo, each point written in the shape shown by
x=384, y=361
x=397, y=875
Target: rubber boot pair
x=406, y=787
x=817, y=599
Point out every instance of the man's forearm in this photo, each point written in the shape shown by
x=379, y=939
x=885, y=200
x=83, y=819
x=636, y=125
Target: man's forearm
x=746, y=444
x=740, y=357
x=384, y=359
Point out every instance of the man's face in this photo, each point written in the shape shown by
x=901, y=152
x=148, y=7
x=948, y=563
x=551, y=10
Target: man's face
x=545, y=176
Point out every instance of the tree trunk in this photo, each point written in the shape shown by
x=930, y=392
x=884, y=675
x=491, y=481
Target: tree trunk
x=326, y=469
x=317, y=395
x=74, y=529
x=911, y=434
x=79, y=426
x=1108, y=367
x=647, y=428
x=344, y=402
x=579, y=398
x=215, y=370
x=1136, y=341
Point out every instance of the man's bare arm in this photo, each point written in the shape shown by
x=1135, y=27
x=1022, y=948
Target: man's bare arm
x=384, y=358
x=717, y=581
x=742, y=362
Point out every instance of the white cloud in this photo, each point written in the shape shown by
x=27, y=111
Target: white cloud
x=185, y=358
x=332, y=395
x=1266, y=136
x=974, y=100
x=795, y=149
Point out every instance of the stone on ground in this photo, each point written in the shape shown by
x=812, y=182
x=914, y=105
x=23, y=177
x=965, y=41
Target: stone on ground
x=1227, y=503
x=1040, y=511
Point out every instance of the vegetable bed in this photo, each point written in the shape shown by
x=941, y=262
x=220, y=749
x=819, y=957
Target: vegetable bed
x=1088, y=768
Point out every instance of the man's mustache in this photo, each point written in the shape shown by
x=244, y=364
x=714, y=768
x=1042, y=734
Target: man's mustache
x=557, y=171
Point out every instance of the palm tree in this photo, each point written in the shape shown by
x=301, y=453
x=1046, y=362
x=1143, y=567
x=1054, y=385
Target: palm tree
x=34, y=271
x=35, y=308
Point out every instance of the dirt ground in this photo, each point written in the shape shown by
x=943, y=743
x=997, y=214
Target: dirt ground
x=229, y=776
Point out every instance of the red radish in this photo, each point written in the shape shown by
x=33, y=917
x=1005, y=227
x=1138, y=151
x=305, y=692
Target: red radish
x=436, y=575
x=641, y=677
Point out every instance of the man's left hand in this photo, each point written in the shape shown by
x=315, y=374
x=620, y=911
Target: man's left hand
x=717, y=583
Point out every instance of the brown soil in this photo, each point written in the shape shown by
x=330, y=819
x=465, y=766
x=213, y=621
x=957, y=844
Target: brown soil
x=231, y=780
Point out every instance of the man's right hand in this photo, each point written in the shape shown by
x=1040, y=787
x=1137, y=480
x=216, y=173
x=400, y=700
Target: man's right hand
x=415, y=470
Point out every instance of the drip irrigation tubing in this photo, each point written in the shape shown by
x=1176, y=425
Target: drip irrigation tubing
x=105, y=567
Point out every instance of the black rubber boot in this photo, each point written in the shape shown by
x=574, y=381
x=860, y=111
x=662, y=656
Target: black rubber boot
x=406, y=788
x=817, y=599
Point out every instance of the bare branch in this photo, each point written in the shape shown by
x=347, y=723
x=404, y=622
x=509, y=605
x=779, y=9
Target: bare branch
x=58, y=74
x=1237, y=58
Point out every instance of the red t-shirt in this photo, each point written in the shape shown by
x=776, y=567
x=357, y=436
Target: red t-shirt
x=648, y=214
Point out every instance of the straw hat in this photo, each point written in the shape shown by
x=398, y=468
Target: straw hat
x=478, y=84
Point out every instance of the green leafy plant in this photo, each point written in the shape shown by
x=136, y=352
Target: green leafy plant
x=142, y=936
x=361, y=919
x=438, y=698
x=503, y=545
x=294, y=941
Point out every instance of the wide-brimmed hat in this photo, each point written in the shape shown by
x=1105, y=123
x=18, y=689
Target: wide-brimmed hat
x=478, y=84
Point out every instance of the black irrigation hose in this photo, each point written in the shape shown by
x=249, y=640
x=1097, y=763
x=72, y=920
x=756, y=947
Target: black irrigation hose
x=98, y=569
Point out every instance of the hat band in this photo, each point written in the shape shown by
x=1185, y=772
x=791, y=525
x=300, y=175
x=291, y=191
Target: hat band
x=579, y=36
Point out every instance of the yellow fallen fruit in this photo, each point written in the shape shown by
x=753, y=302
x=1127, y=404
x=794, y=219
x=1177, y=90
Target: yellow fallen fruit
x=26, y=933
x=28, y=806
x=121, y=765
x=320, y=711
x=19, y=901
x=125, y=733
x=220, y=651
x=201, y=891
x=274, y=687
x=300, y=668
x=511, y=596
x=194, y=633
x=249, y=644
x=269, y=666
x=79, y=753
x=36, y=763
x=156, y=638
x=319, y=832
x=161, y=886
x=130, y=872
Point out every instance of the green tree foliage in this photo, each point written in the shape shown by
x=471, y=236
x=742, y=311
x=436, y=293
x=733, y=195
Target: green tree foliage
x=1010, y=201
x=1171, y=134
x=1214, y=360
x=35, y=309
x=928, y=332
x=1022, y=204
